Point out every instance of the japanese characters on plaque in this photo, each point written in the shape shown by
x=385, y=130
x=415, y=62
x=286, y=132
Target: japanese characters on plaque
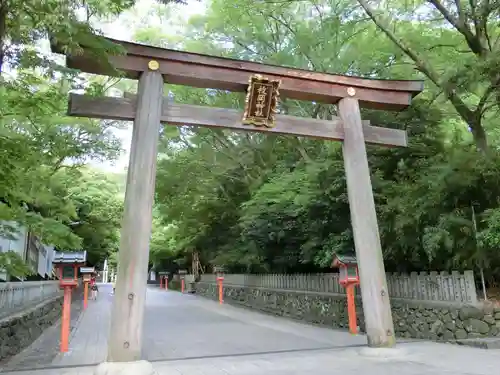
x=261, y=101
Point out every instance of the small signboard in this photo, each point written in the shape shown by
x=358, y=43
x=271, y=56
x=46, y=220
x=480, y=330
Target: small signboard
x=261, y=101
x=87, y=269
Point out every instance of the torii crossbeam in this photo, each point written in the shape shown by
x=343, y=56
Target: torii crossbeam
x=154, y=66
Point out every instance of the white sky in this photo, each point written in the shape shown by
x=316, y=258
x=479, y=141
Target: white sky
x=123, y=29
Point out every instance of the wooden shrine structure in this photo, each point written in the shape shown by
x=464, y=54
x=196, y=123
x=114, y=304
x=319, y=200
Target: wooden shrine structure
x=154, y=67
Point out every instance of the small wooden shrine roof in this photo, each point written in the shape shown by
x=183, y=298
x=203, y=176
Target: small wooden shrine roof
x=340, y=260
x=70, y=257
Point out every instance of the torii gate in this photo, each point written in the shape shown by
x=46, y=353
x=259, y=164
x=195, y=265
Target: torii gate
x=153, y=67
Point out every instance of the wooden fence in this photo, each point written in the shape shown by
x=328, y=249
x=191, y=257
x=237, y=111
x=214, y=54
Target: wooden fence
x=432, y=286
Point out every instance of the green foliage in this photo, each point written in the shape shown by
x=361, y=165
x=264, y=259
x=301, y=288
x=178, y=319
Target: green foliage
x=98, y=205
x=24, y=24
x=42, y=151
x=12, y=264
x=433, y=33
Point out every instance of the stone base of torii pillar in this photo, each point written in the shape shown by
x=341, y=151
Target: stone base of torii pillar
x=125, y=368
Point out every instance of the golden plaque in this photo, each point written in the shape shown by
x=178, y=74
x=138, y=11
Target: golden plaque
x=261, y=101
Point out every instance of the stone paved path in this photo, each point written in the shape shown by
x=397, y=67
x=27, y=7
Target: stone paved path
x=178, y=326
x=190, y=335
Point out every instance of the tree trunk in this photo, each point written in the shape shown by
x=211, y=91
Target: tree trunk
x=479, y=136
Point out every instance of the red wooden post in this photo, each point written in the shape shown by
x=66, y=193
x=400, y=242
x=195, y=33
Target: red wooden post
x=66, y=319
x=85, y=294
x=182, y=276
x=351, y=309
x=219, y=272
x=221, y=292
x=87, y=274
x=166, y=282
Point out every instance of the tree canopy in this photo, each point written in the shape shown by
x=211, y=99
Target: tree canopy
x=46, y=186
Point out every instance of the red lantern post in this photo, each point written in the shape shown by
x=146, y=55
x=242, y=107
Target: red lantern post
x=349, y=278
x=67, y=265
x=219, y=271
x=163, y=279
x=87, y=274
x=182, y=275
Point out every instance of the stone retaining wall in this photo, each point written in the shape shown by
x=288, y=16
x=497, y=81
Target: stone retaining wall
x=412, y=319
x=20, y=330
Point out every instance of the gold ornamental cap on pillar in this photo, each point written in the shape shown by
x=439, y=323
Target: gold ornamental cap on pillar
x=153, y=65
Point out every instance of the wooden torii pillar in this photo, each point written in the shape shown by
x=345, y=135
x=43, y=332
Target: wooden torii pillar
x=152, y=67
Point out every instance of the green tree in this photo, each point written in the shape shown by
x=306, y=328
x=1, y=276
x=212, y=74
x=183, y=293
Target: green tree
x=450, y=31
x=24, y=24
x=41, y=148
x=38, y=143
x=98, y=205
x=12, y=264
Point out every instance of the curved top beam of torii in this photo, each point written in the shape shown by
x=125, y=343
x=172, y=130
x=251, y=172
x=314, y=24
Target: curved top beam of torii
x=204, y=71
